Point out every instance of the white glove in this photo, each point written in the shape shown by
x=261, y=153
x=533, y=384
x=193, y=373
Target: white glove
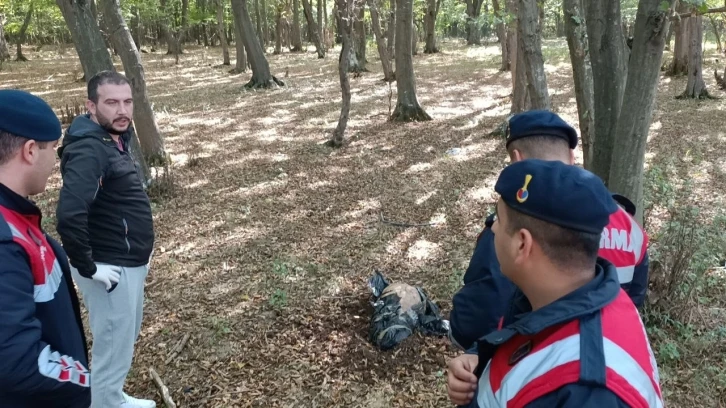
x=107, y=274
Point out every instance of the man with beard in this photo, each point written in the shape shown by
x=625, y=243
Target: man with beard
x=105, y=224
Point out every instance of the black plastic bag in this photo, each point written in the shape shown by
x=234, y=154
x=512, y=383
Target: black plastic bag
x=400, y=309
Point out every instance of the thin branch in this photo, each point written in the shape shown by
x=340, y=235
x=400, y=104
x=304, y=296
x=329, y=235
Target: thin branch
x=162, y=388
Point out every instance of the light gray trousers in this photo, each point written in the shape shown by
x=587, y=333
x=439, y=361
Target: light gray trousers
x=115, y=320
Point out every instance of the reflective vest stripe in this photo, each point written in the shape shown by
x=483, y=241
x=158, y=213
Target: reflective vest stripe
x=62, y=368
x=625, y=273
x=625, y=366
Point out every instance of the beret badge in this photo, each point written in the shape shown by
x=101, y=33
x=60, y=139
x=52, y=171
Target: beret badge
x=522, y=193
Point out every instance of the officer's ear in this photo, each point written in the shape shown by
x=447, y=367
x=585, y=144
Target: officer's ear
x=29, y=151
x=524, y=245
x=572, y=157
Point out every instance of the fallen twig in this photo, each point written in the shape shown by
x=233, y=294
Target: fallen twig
x=162, y=388
x=403, y=224
x=177, y=349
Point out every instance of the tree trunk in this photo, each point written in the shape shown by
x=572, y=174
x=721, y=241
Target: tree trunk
x=265, y=26
x=321, y=25
x=520, y=94
x=380, y=42
x=473, y=34
x=239, y=41
x=531, y=43
x=137, y=31
x=541, y=18
x=23, y=30
x=414, y=39
x=258, y=24
x=626, y=171
x=719, y=47
x=261, y=76
x=221, y=32
x=609, y=59
x=407, y=106
x=91, y=49
x=576, y=33
x=326, y=28
x=359, y=30
x=308, y=10
x=296, y=36
x=670, y=35
x=502, y=35
x=391, y=34
x=432, y=11
x=696, y=87
x=4, y=51
x=152, y=144
x=679, y=66
x=278, y=29
x=344, y=17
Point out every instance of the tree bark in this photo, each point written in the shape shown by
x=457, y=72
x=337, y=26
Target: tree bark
x=152, y=144
x=296, y=36
x=696, y=87
x=473, y=10
x=679, y=66
x=531, y=44
x=261, y=76
x=576, y=33
x=380, y=42
x=239, y=41
x=221, y=32
x=308, y=10
x=278, y=29
x=359, y=30
x=609, y=59
x=89, y=44
x=714, y=26
x=520, y=94
x=4, y=51
x=414, y=39
x=23, y=30
x=432, y=11
x=265, y=26
x=502, y=35
x=344, y=17
x=626, y=171
x=391, y=34
x=407, y=106
x=541, y=17
x=258, y=23
x=321, y=25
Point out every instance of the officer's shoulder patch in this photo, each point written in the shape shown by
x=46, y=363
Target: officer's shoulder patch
x=520, y=353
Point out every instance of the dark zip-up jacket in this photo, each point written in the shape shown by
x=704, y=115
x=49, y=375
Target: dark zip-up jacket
x=104, y=214
x=43, y=353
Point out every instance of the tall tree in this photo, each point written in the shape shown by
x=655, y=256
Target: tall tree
x=696, y=86
x=531, y=44
x=520, y=93
x=626, y=170
x=174, y=38
x=23, y=30
x=432, y=11
x=391, y=30
x=261, y=76
x=576, y=33
x=473, y=11
x=321, y=24
x=239, y=44
x=359, y=35
x=679, y=65
x=152, y=144
x=91, y=49
x=344, y=16
x=265, y=27
x=308, y=10
x=609, y=59
x=258, y=24
x=501, y=34
x=295, y=31
x=4, y=51
x=380, y=41
x=221, y=32
x=407, y=107
x=279, y=9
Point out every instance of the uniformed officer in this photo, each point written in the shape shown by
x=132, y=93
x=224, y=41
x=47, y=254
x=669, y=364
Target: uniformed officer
x=479, y=305
x=43, y=355
x=572, y=338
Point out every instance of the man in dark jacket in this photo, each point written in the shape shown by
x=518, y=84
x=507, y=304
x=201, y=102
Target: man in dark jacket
x=43, y=351
x=105, y=224
x=479, y=306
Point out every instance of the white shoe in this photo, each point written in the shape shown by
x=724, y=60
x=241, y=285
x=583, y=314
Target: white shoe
x=131, y=402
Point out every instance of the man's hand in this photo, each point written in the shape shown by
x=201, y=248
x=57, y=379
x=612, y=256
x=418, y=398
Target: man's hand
x=461, y=381
x=107, y=274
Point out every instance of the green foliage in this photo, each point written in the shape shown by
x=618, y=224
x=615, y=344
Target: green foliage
x=278, y=300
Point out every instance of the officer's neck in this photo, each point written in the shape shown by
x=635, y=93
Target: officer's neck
x=10, y=178
x=554, y=284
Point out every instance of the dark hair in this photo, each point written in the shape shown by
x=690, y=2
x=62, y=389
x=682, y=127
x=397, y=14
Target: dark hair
x=566, y=248
x=541, y=147
x=102, y=78
x=10, y=144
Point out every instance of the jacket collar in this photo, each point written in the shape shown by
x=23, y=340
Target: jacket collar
x=591, y=297
x=14, y=202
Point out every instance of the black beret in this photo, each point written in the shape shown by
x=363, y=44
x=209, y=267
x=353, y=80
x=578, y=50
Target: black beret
x=540, y=123
x=24, y=114
x=561, y=194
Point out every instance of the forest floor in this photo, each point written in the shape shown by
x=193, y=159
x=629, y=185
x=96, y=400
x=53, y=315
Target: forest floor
x=266, y=237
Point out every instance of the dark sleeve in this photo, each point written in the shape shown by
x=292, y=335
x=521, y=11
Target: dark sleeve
x=29, y=365
x=479, y=306
x=82, y=168
x=579, y=396
x=639, y=284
